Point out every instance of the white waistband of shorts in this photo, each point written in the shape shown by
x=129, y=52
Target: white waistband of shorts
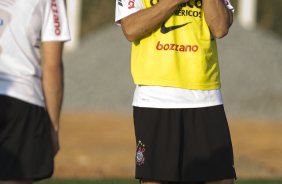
x=167, y=97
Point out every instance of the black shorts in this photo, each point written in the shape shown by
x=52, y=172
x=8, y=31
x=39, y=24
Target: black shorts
x=26, y=152
x=182, y=145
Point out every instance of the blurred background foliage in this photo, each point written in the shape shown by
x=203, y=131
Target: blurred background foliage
x=97, y=13
x=269, y=15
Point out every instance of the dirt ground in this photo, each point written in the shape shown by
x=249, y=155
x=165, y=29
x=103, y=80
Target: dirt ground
x=99, y=145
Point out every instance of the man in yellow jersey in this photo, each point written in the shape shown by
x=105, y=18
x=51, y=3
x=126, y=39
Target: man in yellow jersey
x=182, y=134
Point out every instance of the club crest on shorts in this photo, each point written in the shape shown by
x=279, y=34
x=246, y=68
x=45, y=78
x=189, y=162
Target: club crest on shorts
x=140, y=159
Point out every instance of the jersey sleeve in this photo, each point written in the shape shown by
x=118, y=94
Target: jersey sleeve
x=125, y=8
x=55, y=23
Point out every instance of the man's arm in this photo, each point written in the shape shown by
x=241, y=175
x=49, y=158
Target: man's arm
x=218, y=17
x=52, y=81
x=145, y=21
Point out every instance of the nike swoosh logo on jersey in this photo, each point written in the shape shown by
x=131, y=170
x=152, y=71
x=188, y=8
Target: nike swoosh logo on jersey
x=166, y=30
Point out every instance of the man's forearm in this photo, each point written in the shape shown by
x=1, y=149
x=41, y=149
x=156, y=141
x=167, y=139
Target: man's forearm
x=52, y=80
x=218, y=17
x=145, y=21
x=53, y=88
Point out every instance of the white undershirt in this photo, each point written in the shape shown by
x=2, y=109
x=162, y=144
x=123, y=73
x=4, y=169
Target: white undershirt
x=172, y=98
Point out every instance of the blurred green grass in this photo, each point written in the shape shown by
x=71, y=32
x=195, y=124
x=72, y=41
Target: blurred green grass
x=131, y=181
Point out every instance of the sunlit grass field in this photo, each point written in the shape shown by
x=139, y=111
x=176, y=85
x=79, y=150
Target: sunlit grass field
x=124, y=181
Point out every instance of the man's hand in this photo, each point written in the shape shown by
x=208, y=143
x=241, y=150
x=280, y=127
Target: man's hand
x=55, y=140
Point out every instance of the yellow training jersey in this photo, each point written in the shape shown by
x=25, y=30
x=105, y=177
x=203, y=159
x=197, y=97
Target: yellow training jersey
x=180, y=53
